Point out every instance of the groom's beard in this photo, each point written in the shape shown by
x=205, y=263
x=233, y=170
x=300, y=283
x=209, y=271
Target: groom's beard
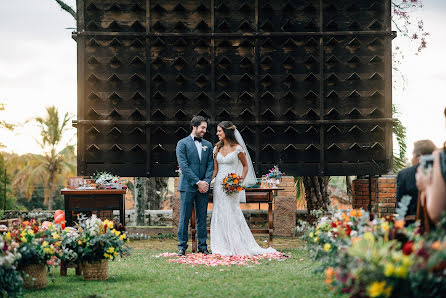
x=200, y=135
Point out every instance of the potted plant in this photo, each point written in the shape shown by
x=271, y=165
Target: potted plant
x=99, y=242
x=38, y=248
x=68, y=250
x=11, y=282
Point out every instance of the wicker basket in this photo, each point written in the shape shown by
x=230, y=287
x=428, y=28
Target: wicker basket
x=34, y=276
x=97, y=270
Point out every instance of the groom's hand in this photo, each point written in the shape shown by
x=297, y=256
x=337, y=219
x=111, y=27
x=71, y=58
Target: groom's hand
x=203, y=186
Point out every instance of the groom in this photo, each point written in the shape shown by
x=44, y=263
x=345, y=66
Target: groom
x=195, y=158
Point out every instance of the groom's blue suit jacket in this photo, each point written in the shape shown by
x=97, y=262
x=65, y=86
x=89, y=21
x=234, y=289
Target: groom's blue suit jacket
x=192, y=169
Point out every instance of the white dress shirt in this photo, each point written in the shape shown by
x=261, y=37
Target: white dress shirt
x=198, y=145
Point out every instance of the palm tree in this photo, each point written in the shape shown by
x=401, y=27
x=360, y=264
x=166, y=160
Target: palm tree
x=51, y=168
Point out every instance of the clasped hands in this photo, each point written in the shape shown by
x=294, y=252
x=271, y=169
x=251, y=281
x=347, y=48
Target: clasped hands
x=203, y=186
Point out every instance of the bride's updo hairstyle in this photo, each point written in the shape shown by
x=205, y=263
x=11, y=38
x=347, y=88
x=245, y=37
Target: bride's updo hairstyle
x=229, y=130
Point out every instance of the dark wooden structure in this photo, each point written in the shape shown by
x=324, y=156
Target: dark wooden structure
x=308, y=83
x=253, y=195
x=78, y=201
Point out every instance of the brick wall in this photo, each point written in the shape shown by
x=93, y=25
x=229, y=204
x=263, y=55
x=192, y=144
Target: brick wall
x=382, y=196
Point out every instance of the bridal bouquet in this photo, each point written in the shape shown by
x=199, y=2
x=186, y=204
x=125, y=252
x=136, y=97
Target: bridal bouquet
x=232, y=184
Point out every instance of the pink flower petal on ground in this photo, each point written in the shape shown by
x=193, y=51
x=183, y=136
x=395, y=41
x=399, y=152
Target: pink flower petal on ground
x=214, y=260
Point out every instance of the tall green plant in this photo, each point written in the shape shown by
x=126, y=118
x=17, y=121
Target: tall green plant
x=399, y=131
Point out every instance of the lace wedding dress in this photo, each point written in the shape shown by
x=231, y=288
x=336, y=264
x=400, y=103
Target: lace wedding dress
x=230, y=234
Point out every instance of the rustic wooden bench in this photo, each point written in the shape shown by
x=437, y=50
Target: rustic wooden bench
x=253, y=195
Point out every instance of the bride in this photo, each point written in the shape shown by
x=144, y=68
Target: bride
x=230, y=234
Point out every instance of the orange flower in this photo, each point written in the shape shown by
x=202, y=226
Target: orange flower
x=235, y=181
x=354, y=239
x=239, y=189
x=355, y=213
x=234, y=176
x=226, y=179
x=227, y=185
x=399, y=224
x=329, y=273
x=436, y=245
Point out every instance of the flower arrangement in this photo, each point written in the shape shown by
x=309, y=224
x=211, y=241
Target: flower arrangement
x=232, y=184
x=275, y=173
x=36, y=244
x=379, y=257
x=178, y=171
x=11, y=282
x=98, y=240
x=107, y=180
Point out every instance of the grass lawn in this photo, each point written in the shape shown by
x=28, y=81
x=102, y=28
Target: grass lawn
x=145, y=276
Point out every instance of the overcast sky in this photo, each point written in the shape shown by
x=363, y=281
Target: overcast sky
x=38, y=69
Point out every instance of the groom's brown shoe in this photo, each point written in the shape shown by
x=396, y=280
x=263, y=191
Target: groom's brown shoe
x=205, y=251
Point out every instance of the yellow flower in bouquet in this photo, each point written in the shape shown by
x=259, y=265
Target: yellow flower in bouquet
x=327, y=247
x=389, y=269
x=378, y=288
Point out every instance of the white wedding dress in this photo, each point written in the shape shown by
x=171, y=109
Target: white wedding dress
x=230, y=234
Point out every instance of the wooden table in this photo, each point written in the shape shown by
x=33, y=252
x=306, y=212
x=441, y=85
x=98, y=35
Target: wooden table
x=253, y=195
x=93, y=200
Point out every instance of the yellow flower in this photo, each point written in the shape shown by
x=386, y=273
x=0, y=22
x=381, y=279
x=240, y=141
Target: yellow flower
x=110, y=225
x=110, y=249
x=318, y=232
x=115, y=253
x=316, y=239
x=401, y=271
x=376, y=288
x=67, y=229
x=44, y=243
x=23, y=239
x=327, y=247
x=389, y=269
x=407, y=261
x=369, y=236
x=387, y=291
x=55, y=235
x=106, y=255
x=8, y=236
x=31, y=232
x=311, y=235
x=117, y=233
x=385, y=226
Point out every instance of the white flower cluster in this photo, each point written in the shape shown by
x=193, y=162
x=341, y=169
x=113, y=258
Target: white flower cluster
x=106, y=178
x=7, y=258
x=92, y=225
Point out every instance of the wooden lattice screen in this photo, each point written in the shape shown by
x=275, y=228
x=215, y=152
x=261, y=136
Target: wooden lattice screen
x=308, y=82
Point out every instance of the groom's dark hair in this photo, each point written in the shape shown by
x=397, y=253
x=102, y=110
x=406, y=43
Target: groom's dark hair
x=196, y=121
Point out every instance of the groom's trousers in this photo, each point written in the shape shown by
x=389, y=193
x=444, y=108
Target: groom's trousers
x=201, y=210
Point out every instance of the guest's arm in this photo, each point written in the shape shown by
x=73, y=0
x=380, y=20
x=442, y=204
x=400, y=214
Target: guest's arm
x=436, y=191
